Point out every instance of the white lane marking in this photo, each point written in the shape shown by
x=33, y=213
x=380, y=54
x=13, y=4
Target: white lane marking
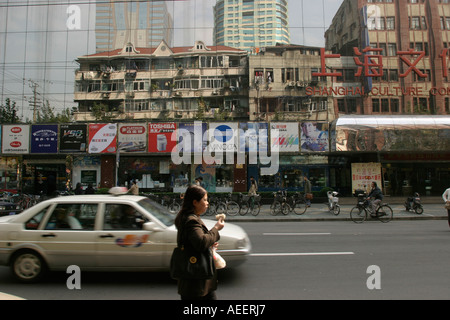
x=294, y=234
x=300, y=254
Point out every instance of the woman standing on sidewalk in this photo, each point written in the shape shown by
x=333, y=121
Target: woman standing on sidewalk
x=446, y=197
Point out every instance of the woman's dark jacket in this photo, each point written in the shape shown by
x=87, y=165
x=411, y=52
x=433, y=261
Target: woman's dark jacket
x=193, y=234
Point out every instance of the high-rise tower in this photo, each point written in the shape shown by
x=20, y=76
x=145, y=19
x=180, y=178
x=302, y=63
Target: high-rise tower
x=249, y=24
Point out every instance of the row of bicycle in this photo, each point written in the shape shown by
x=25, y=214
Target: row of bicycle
x=23, y=200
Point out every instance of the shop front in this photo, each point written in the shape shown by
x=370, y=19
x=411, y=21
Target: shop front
x=413, y=152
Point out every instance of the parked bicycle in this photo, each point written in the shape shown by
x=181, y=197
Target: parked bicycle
x=249, y=203
x=359, y=213
x=284, y=204
x=227, y=206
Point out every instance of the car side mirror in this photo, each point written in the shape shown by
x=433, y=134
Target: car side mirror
x=151, y=226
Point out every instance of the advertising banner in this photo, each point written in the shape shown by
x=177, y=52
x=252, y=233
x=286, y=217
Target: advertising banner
x=188, y=136
x=253, y=136
x=160, y=137
x=16, y=139
x=223, y=137
x=102, y=138
x=314, y=137
x=287, y=139
x=364, y=173
x=44, y=138
x=132, y=137
x=72, y=138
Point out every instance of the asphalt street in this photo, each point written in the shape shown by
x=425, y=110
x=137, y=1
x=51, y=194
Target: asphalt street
x=319, y=260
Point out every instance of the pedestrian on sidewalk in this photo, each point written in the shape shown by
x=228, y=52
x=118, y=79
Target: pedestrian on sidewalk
x=308, y=194
x=446, y=197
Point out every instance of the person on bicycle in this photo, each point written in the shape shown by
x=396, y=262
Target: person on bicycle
x=377, y=196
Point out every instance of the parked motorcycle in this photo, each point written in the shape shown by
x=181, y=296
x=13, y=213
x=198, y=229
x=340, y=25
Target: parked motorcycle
x=413, y=204
x=333, y=202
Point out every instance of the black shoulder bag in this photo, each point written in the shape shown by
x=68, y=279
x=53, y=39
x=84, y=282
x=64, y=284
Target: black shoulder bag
x=190, y=264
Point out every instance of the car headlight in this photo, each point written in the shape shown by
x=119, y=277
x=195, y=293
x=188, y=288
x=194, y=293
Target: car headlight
x=2, y=208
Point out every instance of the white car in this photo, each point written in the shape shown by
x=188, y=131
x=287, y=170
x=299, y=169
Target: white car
x=100, y=232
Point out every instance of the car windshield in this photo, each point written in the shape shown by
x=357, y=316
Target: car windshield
x=157, y=211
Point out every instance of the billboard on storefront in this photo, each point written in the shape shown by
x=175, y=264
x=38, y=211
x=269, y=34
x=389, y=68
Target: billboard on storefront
x=44, y=138
x=253, y=136
x=223, y=137
x=16, y=139
x=363, y=174
x=132, y=137
x=72, y=138
x=284, y=136
x=160, y=137
x=188, y=136
x=103, y=138
x=314, y=136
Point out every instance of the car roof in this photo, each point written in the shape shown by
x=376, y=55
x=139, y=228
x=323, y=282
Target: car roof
x=97, y=197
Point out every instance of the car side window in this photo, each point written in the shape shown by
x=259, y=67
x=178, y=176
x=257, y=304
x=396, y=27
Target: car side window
x=122, y=217
x=33, y=223
x=72, y=217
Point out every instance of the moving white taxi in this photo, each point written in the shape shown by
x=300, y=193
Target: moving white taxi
x=100, y=233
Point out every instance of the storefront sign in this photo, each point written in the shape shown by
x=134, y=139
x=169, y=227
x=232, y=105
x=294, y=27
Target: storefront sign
x=223, y=137
x=44, y=138
x=287, y=139
x=363, y=174
x=15, y=139
x=132, y=137
x=160, y=137
x=72, y=138
x=253, y=136
x=314, y=137
x=102, y=138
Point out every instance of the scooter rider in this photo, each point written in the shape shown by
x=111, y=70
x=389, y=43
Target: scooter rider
x=377, y=197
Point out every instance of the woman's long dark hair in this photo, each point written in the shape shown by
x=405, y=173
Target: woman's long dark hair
x=193, y=192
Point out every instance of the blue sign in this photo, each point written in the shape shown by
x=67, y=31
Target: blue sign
x=44, y=138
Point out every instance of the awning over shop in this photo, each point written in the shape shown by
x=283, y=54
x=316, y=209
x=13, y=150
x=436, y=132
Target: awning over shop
x=419, y=133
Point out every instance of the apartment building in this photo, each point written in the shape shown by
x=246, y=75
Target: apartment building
x=251, y=24
x=400, y=51
x=163, y=83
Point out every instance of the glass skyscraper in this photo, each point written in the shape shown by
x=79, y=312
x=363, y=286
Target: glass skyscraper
x=143, y=23
x=251, y=24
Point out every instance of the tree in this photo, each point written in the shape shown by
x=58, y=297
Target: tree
x=8, y=112
x=47, y=115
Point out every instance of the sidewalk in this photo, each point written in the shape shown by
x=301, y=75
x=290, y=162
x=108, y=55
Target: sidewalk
x=433, y=210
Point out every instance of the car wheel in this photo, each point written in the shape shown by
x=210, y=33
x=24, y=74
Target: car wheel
x=28, y=266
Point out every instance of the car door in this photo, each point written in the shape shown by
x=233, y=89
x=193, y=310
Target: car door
x=123, y=244
x=67, y=235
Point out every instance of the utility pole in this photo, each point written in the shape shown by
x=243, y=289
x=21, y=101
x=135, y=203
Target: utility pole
x=35, y=102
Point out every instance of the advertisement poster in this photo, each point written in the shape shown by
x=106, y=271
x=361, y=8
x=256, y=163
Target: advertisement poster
x=314, y=136
x=223, y=137
x=72, y=138
x=160, y=137
x=16, y=139
x=364, y=173
x=190, y=135
x=132, y=137
x=44, y=138
x=102, y=138
x=287, y=139
x=253, y=136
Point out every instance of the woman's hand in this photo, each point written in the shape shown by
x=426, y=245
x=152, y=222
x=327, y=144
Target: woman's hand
x=219, y=225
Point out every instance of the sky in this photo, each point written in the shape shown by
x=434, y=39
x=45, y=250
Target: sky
x=41, y=39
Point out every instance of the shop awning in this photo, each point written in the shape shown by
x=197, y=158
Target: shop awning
x=422, y=133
